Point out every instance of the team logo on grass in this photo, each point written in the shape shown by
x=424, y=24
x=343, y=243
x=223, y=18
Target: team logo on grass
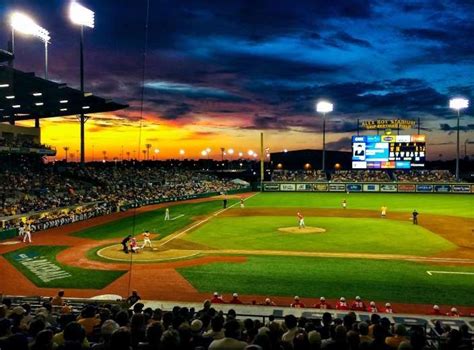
x=42, y=268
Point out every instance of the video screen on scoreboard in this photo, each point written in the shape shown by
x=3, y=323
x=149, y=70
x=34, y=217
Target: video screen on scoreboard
x=388, y=151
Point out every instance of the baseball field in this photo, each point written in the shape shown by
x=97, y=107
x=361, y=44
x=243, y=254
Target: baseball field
x=259, y=251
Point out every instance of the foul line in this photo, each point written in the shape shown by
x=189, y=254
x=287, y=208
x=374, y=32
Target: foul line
x=177, y=217
x=449, y=273
x=172, y=237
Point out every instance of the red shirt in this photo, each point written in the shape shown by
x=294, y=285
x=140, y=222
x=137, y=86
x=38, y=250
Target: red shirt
x=235, y=301
x=217, y=300
x=342, y=305
x=372, y=309
x=323, y=305
x=297, y=304
x=436, y=312
x=358, y=306
x=388, y=310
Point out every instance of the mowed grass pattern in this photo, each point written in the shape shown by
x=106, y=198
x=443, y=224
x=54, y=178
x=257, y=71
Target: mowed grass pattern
x=442, y=204
x=394, y=281
x=152, y=221
x=344, y=235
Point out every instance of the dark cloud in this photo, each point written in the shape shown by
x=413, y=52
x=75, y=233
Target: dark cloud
x=340, y=39
x=450, y=129
x=343, y=144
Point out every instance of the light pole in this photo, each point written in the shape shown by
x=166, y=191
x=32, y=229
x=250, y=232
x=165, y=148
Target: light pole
x=26, y=25
x=66, y=149
x=83, y=17
x=148, y=146
x=457, y=104
x=324, y=107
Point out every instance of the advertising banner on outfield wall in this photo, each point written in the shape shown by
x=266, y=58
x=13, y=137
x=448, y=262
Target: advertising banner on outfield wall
x=287, y=187
x=304, y=187
x=337, y=188
x=442, y=188
x=371, y=187
x=461, y=188
x=406, y=188
x=424, y=188
x=388, y=188
x=271, y=187
x=354, y=187
x=320, y=187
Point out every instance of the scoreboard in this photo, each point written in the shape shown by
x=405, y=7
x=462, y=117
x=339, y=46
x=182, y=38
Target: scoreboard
x=388, y=151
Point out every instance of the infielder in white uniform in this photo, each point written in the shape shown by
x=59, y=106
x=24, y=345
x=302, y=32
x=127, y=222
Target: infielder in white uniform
x=146, y=240
x=167, y=214
x=27, y=235
x=21, y=232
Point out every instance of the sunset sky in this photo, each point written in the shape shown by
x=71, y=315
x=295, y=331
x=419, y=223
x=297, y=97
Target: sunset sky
x=220, y=72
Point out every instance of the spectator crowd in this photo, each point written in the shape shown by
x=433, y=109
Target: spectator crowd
x=58, y=325
x=424, y=176
x=71, y=193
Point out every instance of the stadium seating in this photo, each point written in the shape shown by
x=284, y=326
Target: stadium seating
x=47, y=323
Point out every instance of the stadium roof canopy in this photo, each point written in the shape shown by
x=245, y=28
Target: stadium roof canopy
x=24, y=96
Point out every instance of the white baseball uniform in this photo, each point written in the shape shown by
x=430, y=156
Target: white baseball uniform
x=146, y=240
x=167, y=214
x=27, y=235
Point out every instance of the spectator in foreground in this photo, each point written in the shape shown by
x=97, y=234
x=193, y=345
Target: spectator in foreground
x=231, y=340
x=132, y=299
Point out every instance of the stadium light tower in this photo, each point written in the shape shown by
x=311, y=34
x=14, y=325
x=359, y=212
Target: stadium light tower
x=83, y=17
x=457, y=104
x=26, y=25
x=324, y=107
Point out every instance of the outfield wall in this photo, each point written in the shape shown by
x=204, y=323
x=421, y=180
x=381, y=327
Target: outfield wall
x=383, y=187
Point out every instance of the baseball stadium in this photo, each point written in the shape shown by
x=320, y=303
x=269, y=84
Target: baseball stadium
x=154, y=214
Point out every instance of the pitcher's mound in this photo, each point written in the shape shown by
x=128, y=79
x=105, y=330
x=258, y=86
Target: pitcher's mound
x=307, y=229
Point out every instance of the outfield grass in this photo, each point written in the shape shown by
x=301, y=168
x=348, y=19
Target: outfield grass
x=152, y=221
x=78, y=277
x=393, y=281
x=348, y=235
x=443, y=204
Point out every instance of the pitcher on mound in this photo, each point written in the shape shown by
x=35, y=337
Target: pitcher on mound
x=300, y=220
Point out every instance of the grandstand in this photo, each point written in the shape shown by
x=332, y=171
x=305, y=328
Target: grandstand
x=60, y=322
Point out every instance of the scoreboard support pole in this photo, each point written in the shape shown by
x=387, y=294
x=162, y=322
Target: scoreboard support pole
x=262, y=160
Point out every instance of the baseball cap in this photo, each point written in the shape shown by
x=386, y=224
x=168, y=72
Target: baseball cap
x=436, y=307
x=357, y=297
x=388, y=304
x=196, y=325
x=109, y=327
x=18, y=310
x=216, y=294
x=267, y=300
x=454, y=309
x=342, y=299
x=297, y=297
x=322, y=298
x=372, y=303
x=235, y=295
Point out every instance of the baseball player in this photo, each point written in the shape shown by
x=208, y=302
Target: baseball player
x=300, y=220
x=146, y=240
x=167, y=214
x=21, y=231
x=27, y=234
x=134, y=248
x=242, y=203
x=344, y=204
x=383, y=211
x=415, y=217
